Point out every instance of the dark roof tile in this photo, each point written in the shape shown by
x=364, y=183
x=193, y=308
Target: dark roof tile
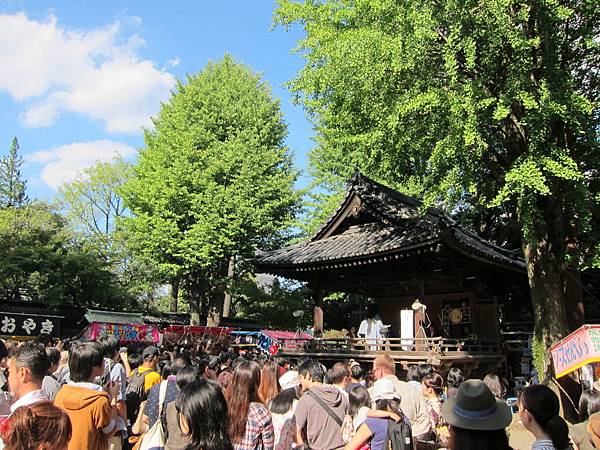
x=400, y=224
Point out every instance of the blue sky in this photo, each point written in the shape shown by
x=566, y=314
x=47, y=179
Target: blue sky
x=79, y=79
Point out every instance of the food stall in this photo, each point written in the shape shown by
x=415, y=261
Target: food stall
x=126, y=327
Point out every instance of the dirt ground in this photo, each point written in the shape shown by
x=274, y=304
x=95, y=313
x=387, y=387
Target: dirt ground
x=520, y=438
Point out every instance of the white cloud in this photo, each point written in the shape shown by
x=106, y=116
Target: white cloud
x=62, y=163
x=96, y=73
x=174, y=62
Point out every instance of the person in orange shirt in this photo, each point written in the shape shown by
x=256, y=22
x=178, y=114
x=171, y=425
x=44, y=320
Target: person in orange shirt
x=150, y=355
x=92, y=410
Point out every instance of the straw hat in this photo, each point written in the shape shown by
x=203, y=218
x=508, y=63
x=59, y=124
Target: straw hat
x=476, y=408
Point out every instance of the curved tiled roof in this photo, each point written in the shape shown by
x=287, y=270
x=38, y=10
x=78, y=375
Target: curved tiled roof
x=399, y=225
x=356, y=241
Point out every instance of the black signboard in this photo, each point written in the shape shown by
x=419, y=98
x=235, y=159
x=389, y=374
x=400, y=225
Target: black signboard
x=21, y=324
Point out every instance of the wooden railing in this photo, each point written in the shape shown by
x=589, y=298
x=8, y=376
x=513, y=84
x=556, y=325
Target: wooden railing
x=436, y=345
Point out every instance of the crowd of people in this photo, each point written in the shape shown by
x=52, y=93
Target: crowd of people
x=97, y=396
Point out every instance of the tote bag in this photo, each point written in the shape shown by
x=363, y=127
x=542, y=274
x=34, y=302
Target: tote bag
x=154, y=438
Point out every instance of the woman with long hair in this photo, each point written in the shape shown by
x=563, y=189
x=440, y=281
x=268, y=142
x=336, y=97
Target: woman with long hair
x=538, y=410
x=269, y=382
x=41, y=426
x=432, y=387
x=477, y=420
x=175, y=439
x=454, y=379
x=203, y=416
x=282, y=408
x=589, y=403
x=250, y=424
x=359, y=404
x=495, y=384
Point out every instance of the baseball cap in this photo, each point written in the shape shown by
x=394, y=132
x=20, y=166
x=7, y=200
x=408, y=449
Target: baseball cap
x=150, y=352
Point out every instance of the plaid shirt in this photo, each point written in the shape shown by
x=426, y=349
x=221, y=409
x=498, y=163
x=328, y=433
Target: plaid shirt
x=259, y=433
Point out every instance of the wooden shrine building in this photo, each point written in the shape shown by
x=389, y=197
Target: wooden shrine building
x=379, y=244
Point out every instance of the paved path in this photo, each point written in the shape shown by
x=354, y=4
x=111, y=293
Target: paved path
x=520, y=438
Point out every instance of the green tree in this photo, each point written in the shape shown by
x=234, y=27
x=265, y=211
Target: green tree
x=273, y=305
x=94, y=210
x=215, y=180
x=41, y=261
x=12, y=186
x=489, y=104
x=92, y=204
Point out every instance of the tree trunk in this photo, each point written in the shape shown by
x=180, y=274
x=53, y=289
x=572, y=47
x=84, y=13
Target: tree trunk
x=318, y=313
x=194, y=298
x=174, y=295
x=213, y=318
x=230, y=275
x=573, y=298
x=547, y=295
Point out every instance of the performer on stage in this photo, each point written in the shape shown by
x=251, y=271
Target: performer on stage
x=371, y=328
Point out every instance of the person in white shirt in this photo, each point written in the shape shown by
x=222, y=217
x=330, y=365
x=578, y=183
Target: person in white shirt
x=412, y=402
x=340, y=377
x=26, y=370
x=371, y=328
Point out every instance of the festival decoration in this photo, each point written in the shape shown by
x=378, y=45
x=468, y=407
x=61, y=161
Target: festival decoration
x=123, y=332
x=579, y=348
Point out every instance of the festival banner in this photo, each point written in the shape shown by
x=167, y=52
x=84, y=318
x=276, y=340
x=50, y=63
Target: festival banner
x=576, y=350
x=124, y=332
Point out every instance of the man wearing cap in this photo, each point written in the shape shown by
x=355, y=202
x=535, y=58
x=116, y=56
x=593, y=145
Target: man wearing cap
x=150, y=355
x=412, y=403
x=356, y=375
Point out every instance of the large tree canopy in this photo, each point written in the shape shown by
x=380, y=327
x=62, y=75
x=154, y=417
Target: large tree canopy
x=94, y=210
x=488, y=104
x=214, y=181
x=41, y=261
x=92, y=204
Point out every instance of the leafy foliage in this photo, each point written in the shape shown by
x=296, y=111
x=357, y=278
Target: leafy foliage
x=485, y=106
x=94, y=210
x=91, y=202
x=40, y=261
x=214, y=180
x=12, y=186
x=273, y=305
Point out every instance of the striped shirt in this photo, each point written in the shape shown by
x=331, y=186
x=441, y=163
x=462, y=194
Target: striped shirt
x=543, y=444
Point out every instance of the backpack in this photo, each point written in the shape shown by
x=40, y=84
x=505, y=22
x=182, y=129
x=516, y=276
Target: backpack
x=399, y=436
x=135, y=394
x=105, y=378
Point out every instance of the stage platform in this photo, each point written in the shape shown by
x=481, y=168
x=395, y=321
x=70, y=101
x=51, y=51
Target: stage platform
x=442, y=353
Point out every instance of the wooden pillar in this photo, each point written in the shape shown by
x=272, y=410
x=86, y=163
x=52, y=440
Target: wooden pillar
x=318, y=313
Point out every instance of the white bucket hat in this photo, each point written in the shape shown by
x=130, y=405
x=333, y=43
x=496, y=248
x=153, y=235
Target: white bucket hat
x=289, y=380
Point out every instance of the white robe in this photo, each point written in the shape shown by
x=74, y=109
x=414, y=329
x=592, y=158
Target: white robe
x=370, y=330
